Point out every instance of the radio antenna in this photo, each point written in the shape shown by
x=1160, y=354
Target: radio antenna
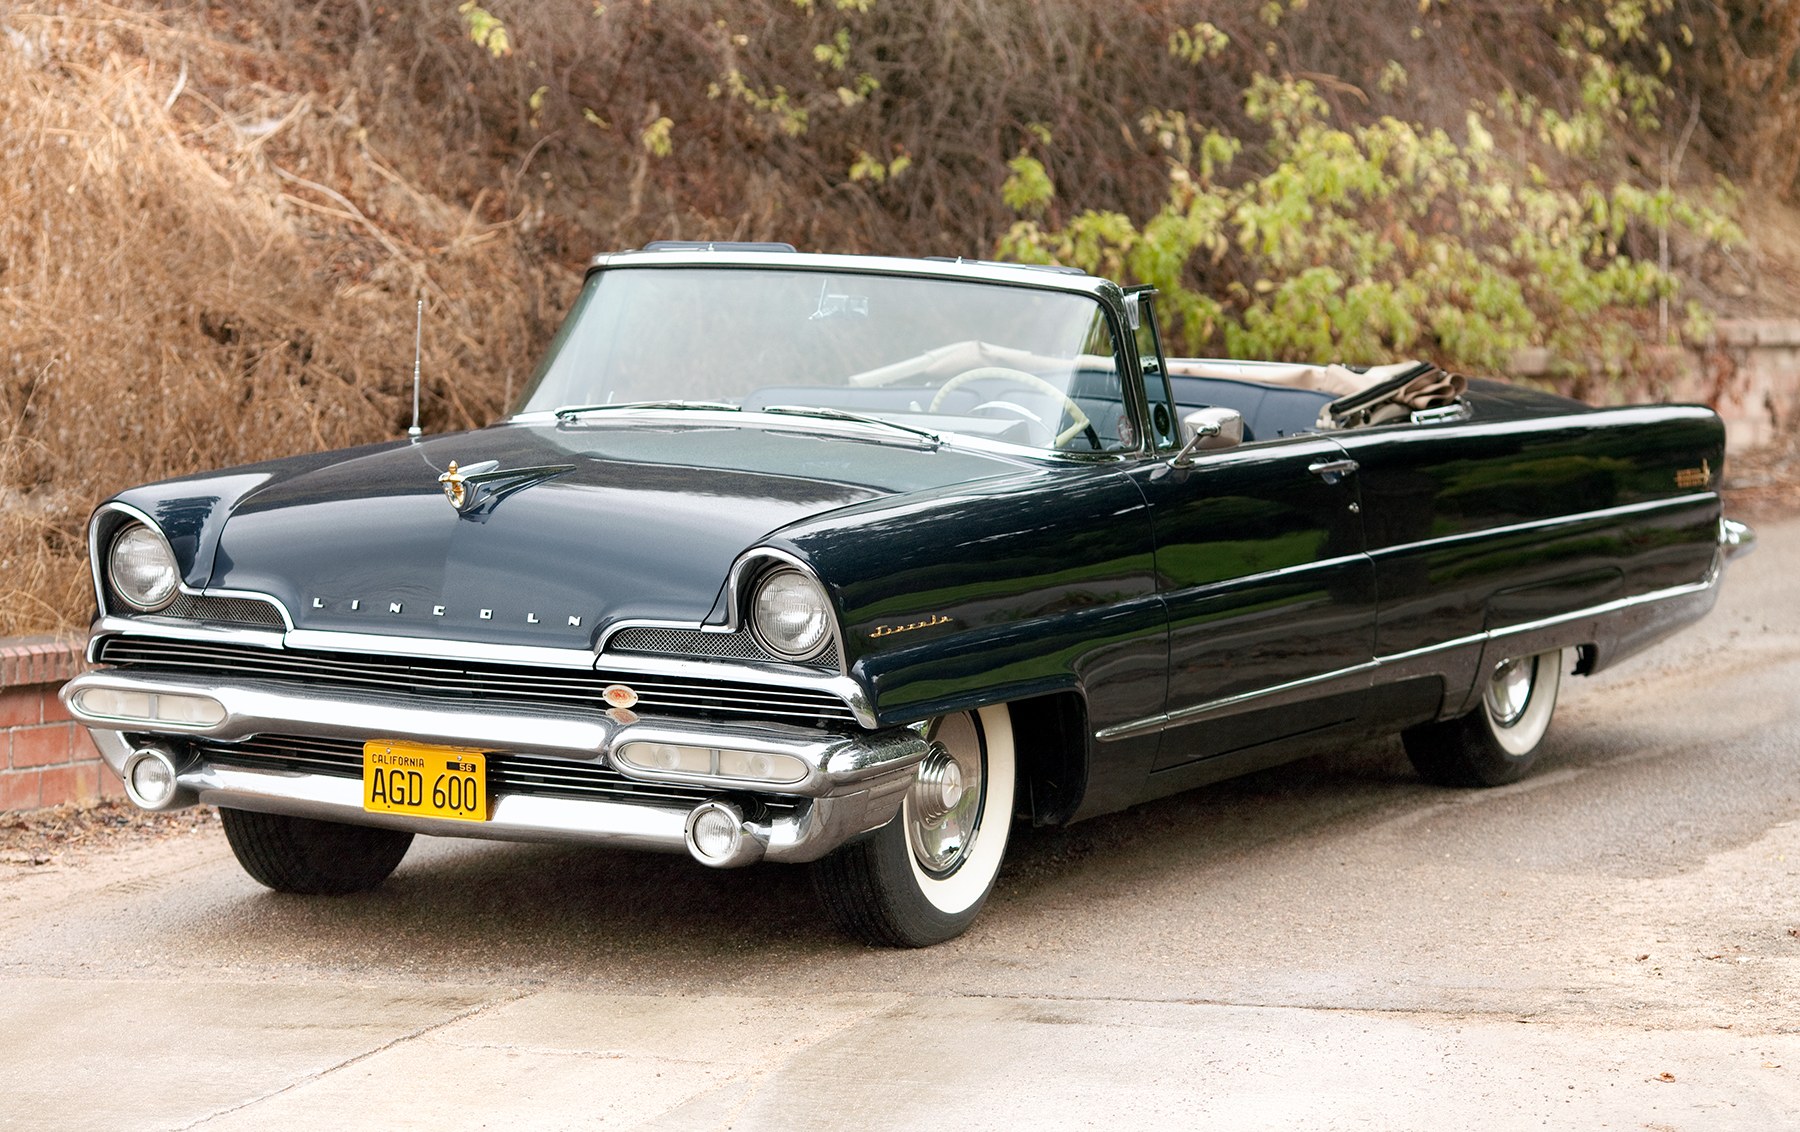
x=418, y=343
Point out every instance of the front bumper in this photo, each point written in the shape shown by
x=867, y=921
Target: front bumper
x=853, y=782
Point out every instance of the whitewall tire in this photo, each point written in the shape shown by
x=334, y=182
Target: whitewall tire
x=1498, y=741
x=922, y=878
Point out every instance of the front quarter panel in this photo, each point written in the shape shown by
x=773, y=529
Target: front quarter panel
x=190, y=514
x=1024, y=586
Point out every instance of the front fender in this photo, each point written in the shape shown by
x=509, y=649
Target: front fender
x=998, y=591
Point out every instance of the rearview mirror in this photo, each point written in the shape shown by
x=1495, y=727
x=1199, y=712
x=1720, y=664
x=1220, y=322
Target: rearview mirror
x=1209, y=429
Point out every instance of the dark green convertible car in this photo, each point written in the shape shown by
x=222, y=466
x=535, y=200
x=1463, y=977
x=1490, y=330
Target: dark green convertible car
x=855, y=561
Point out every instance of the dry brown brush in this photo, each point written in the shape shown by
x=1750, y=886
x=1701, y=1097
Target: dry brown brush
x=198, y=271
x=216, y=217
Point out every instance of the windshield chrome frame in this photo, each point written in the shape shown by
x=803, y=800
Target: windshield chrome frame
x=1109, y=295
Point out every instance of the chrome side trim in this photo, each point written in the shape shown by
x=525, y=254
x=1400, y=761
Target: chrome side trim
x=1226, y=705
x=1277, y=572
x=1200, y=712
x=1617, y=605
x=1445, y=646
x=1575, y=519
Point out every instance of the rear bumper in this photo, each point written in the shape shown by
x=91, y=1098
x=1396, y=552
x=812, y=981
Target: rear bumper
x=853, y=782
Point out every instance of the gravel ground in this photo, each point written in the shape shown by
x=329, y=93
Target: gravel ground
x=64, y=835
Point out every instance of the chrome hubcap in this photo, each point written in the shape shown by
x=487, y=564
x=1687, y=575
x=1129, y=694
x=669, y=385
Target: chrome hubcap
x=939, y=786
x=1509, y=690
x=943, y=807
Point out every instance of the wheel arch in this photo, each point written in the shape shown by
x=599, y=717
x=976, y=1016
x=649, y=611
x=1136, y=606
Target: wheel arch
x=1051, y=753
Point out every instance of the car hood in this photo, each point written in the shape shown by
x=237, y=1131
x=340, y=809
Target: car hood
x=639, y=522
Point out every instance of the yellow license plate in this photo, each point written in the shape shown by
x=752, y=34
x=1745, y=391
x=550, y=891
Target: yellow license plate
x=431, y=782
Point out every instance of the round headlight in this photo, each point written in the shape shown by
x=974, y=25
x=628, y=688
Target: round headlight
x=791, y=615
x=142, y=568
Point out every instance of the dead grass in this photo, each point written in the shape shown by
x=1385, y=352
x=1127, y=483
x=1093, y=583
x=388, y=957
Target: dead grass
x=59, y=835
x=193, y=279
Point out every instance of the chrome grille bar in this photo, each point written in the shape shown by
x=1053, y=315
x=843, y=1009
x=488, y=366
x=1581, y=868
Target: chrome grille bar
x=674, y=695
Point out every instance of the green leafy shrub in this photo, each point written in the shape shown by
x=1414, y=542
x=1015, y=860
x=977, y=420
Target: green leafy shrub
x=1361, y=243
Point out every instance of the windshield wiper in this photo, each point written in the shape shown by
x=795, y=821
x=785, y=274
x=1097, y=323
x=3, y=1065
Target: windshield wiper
x=570, y=412
x=828, y=414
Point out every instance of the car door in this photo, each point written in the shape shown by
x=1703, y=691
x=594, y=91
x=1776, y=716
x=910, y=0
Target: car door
x=1269, y=592
x=1485, y=526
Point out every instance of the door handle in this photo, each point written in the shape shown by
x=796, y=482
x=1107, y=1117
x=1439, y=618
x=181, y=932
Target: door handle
x=1332, y=471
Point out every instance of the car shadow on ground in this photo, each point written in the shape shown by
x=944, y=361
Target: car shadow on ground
x=570, y=912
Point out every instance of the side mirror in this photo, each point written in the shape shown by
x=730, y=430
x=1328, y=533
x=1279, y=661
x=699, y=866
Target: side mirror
x=1209, y=429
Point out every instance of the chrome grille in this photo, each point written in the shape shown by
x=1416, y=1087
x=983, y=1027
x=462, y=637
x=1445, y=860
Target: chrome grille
x=474, y=680
x=737, y=645
x=508, y=772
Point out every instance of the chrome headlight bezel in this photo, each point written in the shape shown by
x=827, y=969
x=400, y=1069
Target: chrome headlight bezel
x=790, y=614
x=149, y=544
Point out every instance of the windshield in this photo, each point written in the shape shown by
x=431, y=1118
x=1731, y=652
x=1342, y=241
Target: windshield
x=1011, y=364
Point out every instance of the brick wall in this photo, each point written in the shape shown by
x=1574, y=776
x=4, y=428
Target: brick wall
x=46, y=759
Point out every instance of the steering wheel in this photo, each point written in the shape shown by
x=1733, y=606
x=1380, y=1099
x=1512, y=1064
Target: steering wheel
x=1081, y=424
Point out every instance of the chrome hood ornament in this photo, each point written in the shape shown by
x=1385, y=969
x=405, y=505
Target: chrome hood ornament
x=480, y=487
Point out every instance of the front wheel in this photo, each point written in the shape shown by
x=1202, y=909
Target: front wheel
x=313, y=858
x=1497, y=742
x=922, y=878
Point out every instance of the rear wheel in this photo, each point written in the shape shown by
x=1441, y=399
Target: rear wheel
x=313, y=858
x=922, y=878
x=1497, y=742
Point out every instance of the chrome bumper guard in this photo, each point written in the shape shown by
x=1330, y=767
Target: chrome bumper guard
x=1736, y=538
x=853, y=783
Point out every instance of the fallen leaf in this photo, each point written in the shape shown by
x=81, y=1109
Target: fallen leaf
x=1641, y=958
x=1664, y=1077
x=1771, y=1065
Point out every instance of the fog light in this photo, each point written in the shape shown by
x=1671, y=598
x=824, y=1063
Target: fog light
x=150, y=778
x=715, y=836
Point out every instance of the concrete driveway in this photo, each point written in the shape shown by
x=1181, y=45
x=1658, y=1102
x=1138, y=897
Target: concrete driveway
x=1612, y=943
